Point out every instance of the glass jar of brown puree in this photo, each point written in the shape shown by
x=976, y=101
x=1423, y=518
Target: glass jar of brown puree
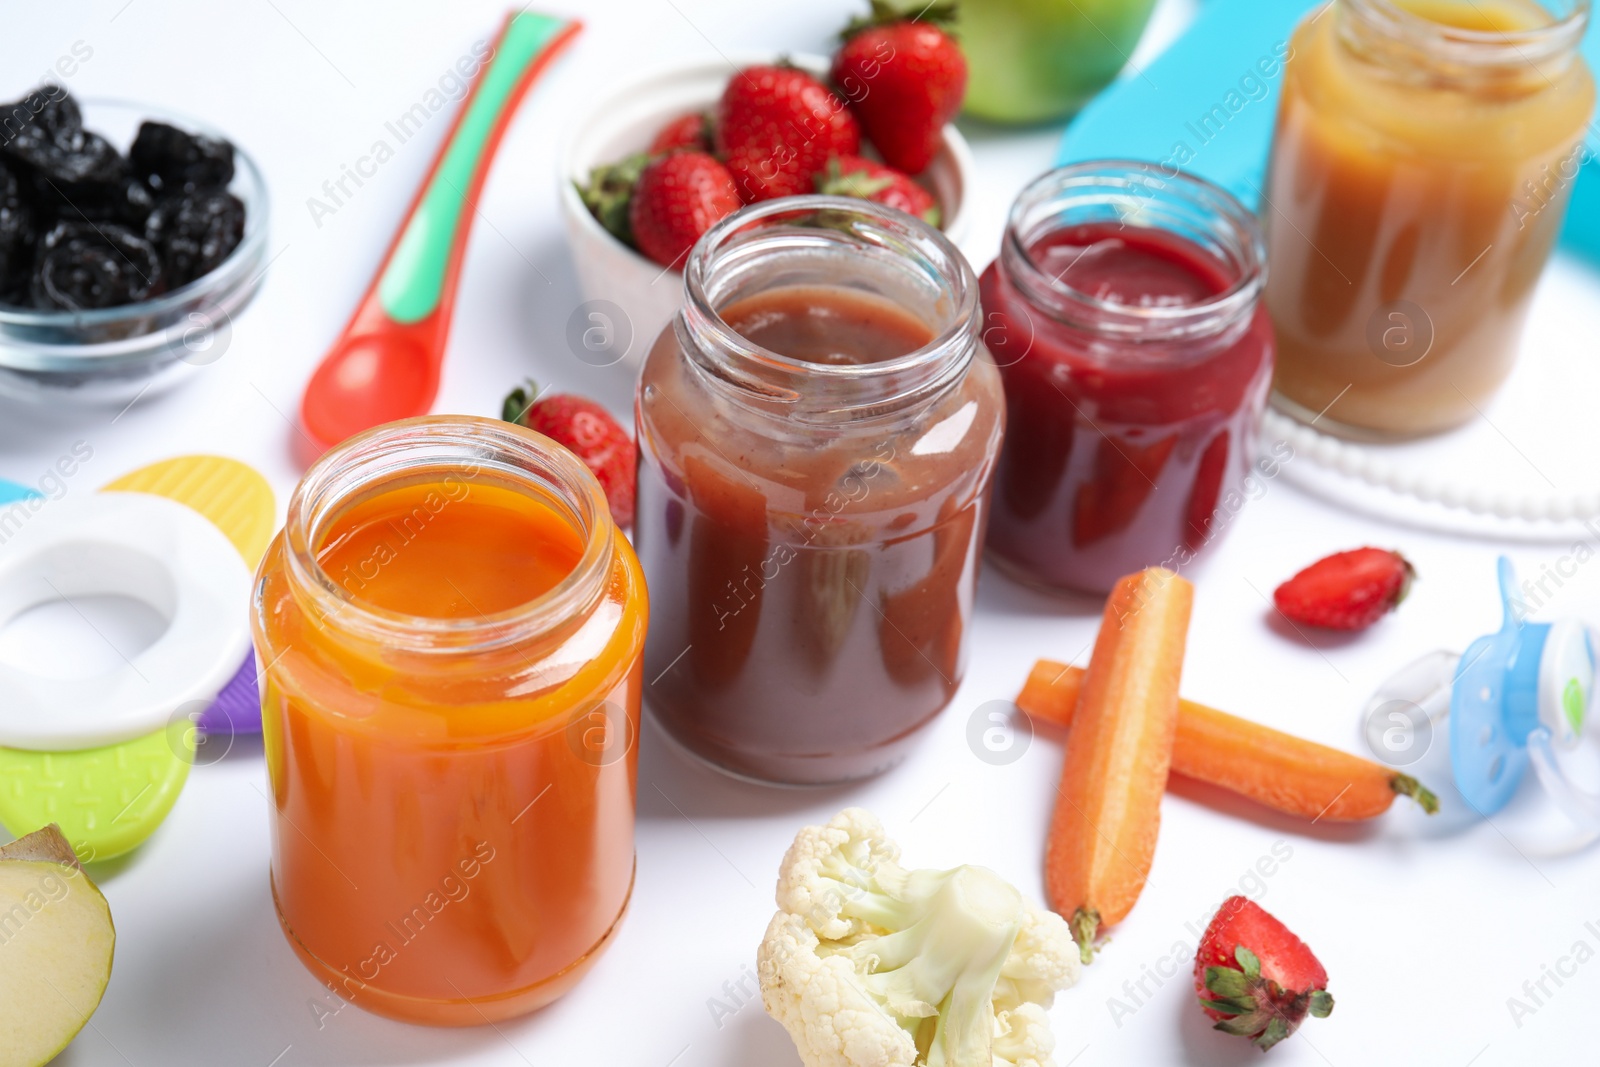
x=1424, y=155
x=816, y=445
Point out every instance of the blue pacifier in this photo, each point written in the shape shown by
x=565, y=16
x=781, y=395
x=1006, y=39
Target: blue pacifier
x=1525, y=694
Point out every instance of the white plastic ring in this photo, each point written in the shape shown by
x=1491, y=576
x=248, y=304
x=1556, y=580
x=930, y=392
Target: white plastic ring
x=137, y=545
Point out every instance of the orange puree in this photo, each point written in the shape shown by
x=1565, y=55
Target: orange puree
x=453, y=809
x=417, y=551
x=1424, y=155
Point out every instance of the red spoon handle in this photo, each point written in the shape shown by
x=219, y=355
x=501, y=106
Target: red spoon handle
x=386, y=363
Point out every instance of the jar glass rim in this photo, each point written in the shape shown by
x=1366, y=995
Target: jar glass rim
x=427, y=444
x=1472, y=47
x=1135, y=181
x=845, y=220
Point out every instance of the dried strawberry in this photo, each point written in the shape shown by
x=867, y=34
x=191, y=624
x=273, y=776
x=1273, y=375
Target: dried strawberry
x=589, y=432
x=1347, y=590
x=691, y=131
x=1255, y=977
x=905, y=78
x=679, y=197
x=855, y=176
x=777, y=127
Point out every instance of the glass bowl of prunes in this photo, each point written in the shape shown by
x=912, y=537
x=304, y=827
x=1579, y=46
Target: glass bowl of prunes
x=129, y=239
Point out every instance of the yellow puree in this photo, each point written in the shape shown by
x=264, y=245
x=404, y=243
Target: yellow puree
x=1397, y=177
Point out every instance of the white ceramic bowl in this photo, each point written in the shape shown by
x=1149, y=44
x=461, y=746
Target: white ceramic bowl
x=609, y=270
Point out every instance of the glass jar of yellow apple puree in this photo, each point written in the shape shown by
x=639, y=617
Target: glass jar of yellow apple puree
x=1424, y=154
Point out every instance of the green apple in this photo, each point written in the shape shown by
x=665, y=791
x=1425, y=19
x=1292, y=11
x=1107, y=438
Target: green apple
x=1036, y=60
x=56, y=942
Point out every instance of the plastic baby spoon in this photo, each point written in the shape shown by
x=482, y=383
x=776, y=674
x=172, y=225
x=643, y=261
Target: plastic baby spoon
x=385, y=365
x=1522, y=696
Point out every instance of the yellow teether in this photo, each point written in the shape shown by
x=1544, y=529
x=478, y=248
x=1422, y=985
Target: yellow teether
x=236, y=499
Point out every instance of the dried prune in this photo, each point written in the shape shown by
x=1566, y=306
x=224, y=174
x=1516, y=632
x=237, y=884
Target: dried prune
x=195, y=232
x=44, y=132
x=51, y=107
x=128, y=202
x=82, y=226
x=83, y=265
x=17, y=234
x=173, y=160
x=122, y=198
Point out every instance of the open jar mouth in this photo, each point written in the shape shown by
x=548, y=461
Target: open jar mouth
x=1395, y=28
x=438, y=448
x=829, y=241
x=1132, y=194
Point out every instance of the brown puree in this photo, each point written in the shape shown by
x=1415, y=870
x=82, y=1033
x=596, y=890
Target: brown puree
x=810, y=581
x=826, y=325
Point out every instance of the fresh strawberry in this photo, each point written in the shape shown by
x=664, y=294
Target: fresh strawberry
x=679, y=196
x=777, y=127
x=1255, y=977
x=588, y=431
x=855, y=176
x=1347, y=590
x=692, y=132
x=905, y=78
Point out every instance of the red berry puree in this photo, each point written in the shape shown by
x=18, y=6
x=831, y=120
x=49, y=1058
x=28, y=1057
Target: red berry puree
x=1123, y=434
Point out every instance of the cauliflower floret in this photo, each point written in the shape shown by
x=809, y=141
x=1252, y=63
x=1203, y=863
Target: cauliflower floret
x=1023, y=1038
x=820, y=1001
x=870, y=965
x=846, y=878
x=1044, y=960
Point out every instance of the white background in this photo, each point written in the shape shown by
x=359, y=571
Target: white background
x=1426, y=928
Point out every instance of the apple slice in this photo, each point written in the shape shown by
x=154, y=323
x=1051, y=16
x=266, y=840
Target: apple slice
x=56, y=941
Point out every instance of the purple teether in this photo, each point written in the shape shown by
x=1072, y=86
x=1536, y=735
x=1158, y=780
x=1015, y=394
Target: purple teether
x=237, y=709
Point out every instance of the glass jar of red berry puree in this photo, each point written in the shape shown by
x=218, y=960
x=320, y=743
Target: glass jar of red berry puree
x=816, y=441
x=1124, y=313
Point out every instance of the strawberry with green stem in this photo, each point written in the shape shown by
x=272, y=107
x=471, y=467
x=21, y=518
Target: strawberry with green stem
x=678, y=197
x=1255, y=977
x=588, y=431
x=660, y=202
x=905, y=77
x=858, y=177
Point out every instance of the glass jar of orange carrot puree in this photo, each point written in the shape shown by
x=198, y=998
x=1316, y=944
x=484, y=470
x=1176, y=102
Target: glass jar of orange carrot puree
x=450, y=627
x=1424, y=154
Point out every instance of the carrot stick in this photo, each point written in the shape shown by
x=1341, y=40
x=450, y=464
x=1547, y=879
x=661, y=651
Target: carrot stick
x=1279, y=770
x=1108, y=813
